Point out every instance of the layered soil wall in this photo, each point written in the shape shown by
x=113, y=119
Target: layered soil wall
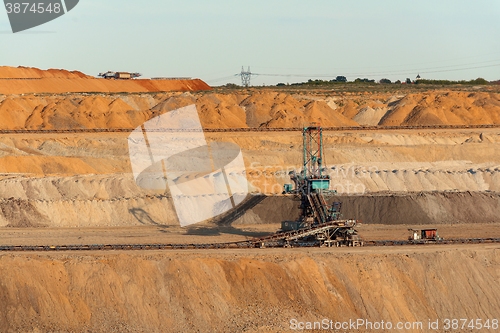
x=256, y=291
x=102, y=210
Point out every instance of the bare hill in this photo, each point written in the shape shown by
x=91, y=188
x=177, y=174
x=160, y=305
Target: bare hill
x=448, y=108
x=237, y=109
x=20, y=72
x=23, y=80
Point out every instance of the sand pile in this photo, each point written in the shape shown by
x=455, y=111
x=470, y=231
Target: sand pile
x=450, y=108
x=250, y=291
x=77, y=111
x=35, y=73
x=246, y=109
x=368, y=116
x=24, y=80
x=130, y=111
x=221, y=111
x=272, y=109
x=320, y=112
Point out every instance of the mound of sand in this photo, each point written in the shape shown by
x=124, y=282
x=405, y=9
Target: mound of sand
x=35, y=73
x=129, y=111
x=320, y=112
x=369, y=117
x=254, y=108
x=450, y=108
x=271, y=108
x=236, y=109
x=24, y=80
x=221, y=111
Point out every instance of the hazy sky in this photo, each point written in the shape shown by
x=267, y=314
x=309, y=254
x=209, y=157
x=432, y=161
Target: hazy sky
x=395, y=39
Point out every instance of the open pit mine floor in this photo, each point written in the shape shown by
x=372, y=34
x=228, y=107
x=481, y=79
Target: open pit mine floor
x=64, y=181
x=171, y=237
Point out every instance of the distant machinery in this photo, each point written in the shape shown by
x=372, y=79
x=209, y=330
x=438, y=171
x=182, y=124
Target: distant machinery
x=424, y=234
x=119, y=75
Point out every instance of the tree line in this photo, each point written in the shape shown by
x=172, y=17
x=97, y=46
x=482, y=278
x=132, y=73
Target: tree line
x=343, y=79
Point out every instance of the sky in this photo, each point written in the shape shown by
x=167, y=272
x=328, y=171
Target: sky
x=280, y=40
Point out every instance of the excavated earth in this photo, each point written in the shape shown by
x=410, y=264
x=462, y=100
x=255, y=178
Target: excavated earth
x=394, y=177
x=247, y=290
x=78, y=187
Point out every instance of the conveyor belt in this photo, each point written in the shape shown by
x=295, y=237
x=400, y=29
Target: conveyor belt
x=275, y=240
x=249, y=129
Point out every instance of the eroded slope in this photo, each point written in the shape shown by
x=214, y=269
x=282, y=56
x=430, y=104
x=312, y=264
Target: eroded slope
x=254, y=291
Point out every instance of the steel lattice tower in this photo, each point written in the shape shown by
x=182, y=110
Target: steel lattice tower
x=313, y=151
x=245, y=76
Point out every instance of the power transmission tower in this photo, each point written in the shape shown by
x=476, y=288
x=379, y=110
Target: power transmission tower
x=245, y=76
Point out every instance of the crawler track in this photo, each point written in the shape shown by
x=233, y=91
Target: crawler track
x=217, y=130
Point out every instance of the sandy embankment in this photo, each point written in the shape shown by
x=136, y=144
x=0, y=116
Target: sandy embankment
x=48, y=180
x=256, y=291
x=24, y=80
x=86, y=102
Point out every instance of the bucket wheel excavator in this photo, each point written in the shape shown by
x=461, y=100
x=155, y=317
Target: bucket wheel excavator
x=319, y=223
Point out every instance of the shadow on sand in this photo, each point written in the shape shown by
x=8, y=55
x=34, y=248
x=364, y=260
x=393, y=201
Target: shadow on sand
x=220, y=230
x=144, y=218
